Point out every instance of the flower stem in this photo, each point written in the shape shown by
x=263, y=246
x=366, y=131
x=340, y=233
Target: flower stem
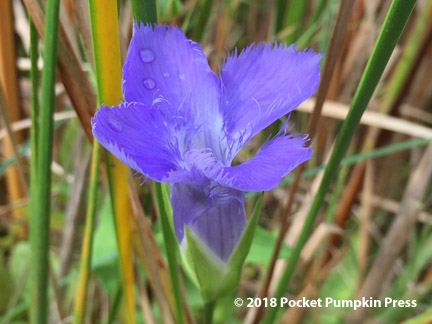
x=171, y=250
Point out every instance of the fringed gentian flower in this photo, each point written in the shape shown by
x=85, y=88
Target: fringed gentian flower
x=183, y=124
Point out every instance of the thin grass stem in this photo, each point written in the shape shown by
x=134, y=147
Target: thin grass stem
x=393, y=26
x=86, y=256
x=41, y=214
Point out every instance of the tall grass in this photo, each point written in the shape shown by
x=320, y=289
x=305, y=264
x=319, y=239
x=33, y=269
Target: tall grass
x=40, y=247
x=125, y=263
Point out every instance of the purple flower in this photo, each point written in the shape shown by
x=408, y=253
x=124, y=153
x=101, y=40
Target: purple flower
x=183, y=124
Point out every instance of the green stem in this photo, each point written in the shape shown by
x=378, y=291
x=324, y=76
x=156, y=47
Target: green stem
x=34, y=75
x=116, y=305
x=41, y=213
x=280, y=15
x=85, y=266
x=295, y=14
x=171, y=250
x=203, y=18
x=317, y=12
x=406, y=62
x=391, y=31
x=144, y=11
x=209, y=310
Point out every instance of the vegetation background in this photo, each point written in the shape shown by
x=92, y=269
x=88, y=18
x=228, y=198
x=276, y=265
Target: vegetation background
x=91, y=245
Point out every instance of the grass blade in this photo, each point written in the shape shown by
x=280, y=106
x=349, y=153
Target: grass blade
x=330, y=63
x=394, y=24
x=204, y=15
x=41, y=214
x=106, y=43
x=34, y=74
x=144, y=11
x=295, y=16
x=83, y=280
x=75, y=80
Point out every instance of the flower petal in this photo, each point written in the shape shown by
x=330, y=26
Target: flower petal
x=263, y=84
x=164, y=67
x=216, y=215
x=140, y=137
x=264, y=171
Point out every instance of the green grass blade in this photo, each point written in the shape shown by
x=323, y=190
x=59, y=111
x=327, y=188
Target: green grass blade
x=204, y=16
x=34, y=74
x=318, y=10
x=41, y=214
x=406, y=62
x=392, y=28
x=280, y=15
x=144, y=11
x=295, y=15
x=86, y=256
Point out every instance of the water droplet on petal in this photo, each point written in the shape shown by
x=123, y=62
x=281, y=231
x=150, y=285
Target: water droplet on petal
x=115, y=125
x=182, y=76
x=166, y=74
x=147, y=55
x=149, y=84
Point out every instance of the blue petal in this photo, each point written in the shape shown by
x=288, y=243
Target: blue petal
x=164, y=67
x=264, y=171
x=215, y=214
x=263, y=84
x=141, y=138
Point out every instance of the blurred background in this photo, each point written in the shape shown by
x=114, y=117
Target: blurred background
x=374, y=227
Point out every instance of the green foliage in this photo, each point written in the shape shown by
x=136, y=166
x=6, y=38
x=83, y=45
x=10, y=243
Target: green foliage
x=220, y=26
